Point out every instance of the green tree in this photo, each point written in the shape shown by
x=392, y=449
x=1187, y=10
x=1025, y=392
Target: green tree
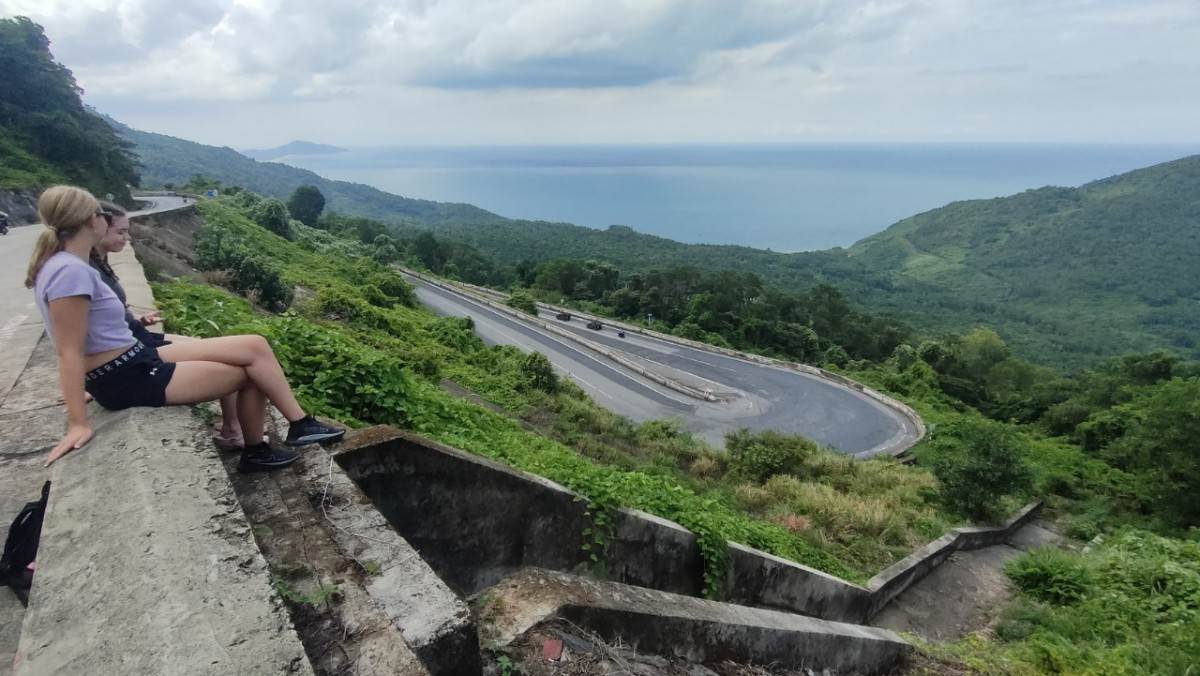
x=1161, y=446
x=979, y=463
x=522, y=301
x=429, y=251
x=273, y=215
x=306, y=204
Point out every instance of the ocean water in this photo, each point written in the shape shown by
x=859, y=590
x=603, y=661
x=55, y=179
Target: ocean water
x=782, y=197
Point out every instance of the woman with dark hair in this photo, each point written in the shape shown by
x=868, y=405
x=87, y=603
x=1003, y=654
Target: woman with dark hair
x=227, y=434
x=98, y=353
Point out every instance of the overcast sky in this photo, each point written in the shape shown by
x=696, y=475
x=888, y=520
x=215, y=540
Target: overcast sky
x=372, y=72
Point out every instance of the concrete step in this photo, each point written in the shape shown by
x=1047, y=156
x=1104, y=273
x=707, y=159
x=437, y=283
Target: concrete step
x=684, y=627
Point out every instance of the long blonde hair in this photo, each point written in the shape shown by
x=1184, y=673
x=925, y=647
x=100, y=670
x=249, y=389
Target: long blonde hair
x=64, y=210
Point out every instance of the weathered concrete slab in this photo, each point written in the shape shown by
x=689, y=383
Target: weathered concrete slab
x=37, y=387
x=392, y=613
x=687, y=627
x=1033, y=536
x=18, y=336
x=146, y=562
x=25, y=437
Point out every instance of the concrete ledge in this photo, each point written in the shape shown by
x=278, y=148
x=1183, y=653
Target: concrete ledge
x=147, y=565
x=691, y=628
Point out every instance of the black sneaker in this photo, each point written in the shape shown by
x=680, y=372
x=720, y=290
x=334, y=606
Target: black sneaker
x=263, y=458
x=308, y=430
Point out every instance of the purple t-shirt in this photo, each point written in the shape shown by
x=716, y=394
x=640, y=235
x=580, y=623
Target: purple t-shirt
x=65, y=275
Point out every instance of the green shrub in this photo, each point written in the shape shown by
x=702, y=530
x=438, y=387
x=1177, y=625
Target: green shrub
x=539, y=373
x=456, y=333
x=522, y=301
x=394, y=287
x=760, y=455
x=1051, y=575
x=262, y=280
x=979, y=463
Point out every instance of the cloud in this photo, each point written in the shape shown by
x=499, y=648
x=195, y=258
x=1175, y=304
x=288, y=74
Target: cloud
x=597, y=70
x=269, y=47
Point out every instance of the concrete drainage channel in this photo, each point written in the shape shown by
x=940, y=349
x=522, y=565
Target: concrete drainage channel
x=491, y=532
x=414, y=527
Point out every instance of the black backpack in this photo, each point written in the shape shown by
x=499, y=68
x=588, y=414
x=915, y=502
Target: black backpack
x=20, y=549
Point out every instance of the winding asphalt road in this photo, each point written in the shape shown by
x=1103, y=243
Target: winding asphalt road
x=765, y=397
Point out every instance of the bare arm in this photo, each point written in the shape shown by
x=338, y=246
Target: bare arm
x=69, y=317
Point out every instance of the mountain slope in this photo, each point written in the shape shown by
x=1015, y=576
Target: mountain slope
x=1064, y=272
x=166, y=159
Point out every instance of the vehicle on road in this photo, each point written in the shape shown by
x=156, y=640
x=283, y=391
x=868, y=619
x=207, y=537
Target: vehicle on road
x=620, y=334
x=565, y=316
x=3, y=223
x=595, y=325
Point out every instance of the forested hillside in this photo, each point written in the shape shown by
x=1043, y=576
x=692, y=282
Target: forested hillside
x=47, y=135
x=1066, y=275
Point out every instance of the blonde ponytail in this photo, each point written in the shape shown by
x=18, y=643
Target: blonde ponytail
x=47, y=245
x=64, y=210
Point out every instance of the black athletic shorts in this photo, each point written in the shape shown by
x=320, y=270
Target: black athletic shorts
x=136, y=378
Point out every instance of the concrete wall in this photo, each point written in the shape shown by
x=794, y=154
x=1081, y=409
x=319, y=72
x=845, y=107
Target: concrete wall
x=477, y=521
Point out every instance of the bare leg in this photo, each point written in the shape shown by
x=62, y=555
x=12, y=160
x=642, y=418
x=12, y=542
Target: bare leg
x=251, y=353
x=198, y=381
x=251, y=413
x=229, y=415
x=230, y=428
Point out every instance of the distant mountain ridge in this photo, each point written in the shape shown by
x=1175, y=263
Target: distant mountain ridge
x=1066, y=275
x=292, y=148
x=166, y=159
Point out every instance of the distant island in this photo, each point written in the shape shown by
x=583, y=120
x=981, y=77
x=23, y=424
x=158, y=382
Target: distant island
x=293, y=148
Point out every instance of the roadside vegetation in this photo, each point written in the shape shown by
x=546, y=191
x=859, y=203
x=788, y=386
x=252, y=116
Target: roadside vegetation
x=1002, y=431
x=1130, y=605
x=346, y=327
